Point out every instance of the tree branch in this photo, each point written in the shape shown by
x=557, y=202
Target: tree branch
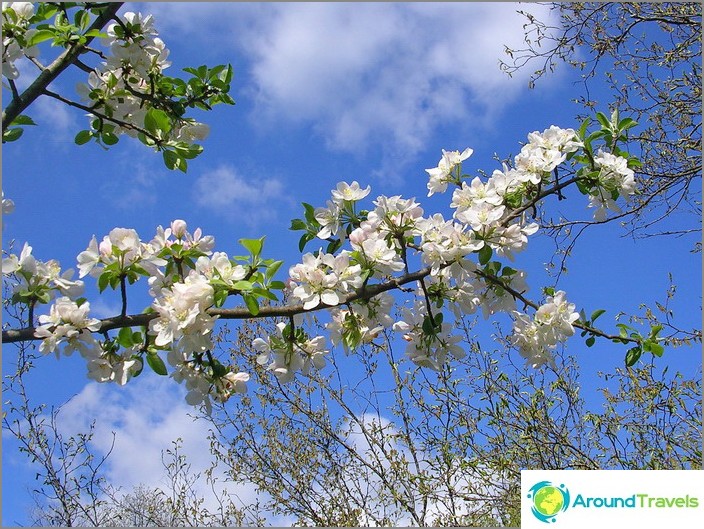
x=240, y=313
x=63, y=61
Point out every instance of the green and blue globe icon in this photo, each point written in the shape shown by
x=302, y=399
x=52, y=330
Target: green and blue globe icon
x=548, y=500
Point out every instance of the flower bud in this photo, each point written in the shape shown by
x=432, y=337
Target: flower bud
x=178, y=228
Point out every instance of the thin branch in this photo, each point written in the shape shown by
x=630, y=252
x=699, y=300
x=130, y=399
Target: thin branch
x=44, y=79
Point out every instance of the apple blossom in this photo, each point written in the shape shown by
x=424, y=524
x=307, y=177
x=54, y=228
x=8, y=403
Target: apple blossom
x=551, y=325
x=423, y=348
x=349, y=192
x=323, y=279
x=290, y=354
x=615, y=179
x=442, y=175
x=68, y=324
x=188, y=280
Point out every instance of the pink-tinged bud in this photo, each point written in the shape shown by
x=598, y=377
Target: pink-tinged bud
x=178, y=228
x=358, y=236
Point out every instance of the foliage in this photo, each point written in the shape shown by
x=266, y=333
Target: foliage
x=127, y=93
x=649, y=55
x=372, y=439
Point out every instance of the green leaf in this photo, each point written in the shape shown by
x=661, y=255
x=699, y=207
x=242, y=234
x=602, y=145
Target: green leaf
x=627, y=123
x=124, y=337
x=157, y=364
x=95, y=33
x=252, y=304
x=220, y=297
x=81, y=19
x=272, y=269
x=485, y=254
x=277, y=285
x=603, y=120
x=264, y=293
x=305, y=239
x=428, y=326
x=254, y=246
x=590, y=341
x=83, y=137
x=656, y=349
x=596, y=314
x=12, y=135
x=23, y=120
x=334, y=246
x=310, y=214
x=633, y=355
x=40, y=36
x=583, y=128
x=103, y=281
x=157, y=120
x=655, y=330
x=228, y=74
x=171, y=159
x=298, y=224
x=109, y=138
x=242, y=285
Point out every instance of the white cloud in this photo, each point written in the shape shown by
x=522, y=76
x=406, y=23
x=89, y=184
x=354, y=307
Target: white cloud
x=57, y=117
x=143, y=418
x=100, y=308
x=369, y=73
x=251, y=199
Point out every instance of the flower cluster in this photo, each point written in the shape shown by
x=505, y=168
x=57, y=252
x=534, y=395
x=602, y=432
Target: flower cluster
x=183, y=293
x=68, y=323
x=449, y=170
x=15, y=34
x=552, y=324
x=361, y=322
x=183, y=323
x=430, y=340
x=324, y=278
x=120, y=250
x=460, y=259
x=544, y=152
x=290, y=350
x=201, y=386
x=615, y=179
x=122, y=85
x=114, y=366
x=39, y=281
x=339, y=209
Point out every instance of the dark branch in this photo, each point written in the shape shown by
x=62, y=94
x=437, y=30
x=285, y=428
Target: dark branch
x=63, y=61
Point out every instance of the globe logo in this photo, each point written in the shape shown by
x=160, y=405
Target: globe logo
x=548, y=500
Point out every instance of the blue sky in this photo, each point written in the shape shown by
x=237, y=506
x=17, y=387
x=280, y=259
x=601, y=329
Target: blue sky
x=325, y=93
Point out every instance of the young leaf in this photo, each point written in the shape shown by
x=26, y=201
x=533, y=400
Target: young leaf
x=273, y=268
x=252, y=304
x=596, y=314
x=253, y=245
x=23, y=120
x=656, y=349
x=83, y=137
x=632, y=355
x=12, y=135
x=157, y=364
x=124, y=337
x=485, y=254
x=40, y=36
